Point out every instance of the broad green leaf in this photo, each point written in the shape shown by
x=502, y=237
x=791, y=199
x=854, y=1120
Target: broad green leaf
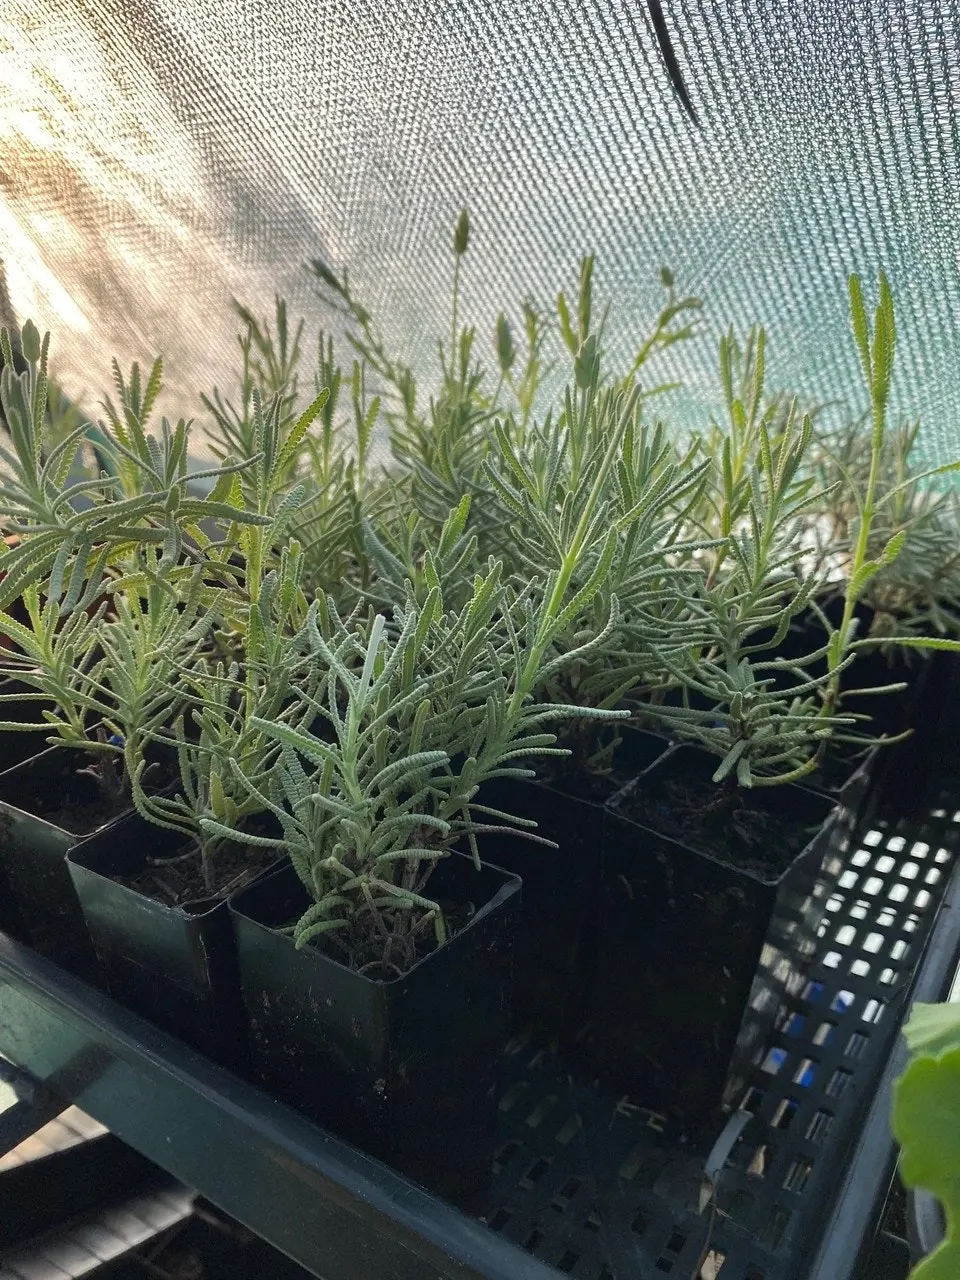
x=926, y=1122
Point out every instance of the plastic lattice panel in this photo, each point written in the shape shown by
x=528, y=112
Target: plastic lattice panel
x=600, y=1188
x=158, y=157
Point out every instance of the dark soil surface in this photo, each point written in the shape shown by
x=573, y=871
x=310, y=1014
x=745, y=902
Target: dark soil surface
x=730, y=825
x=177, y=880
x=73, y=801
x=73, y=804
x=563, y=776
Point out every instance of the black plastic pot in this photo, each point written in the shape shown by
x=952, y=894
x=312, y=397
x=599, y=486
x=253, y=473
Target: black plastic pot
x=175, y=965
x=555, y=949
x=854, y=793
x=16, y=747
x=33, y=856
x=19, y=745
x=404, y=1069
x=695, y=954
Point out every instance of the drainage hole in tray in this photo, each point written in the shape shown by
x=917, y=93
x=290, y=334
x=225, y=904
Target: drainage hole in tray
x=566, y=1193
x=533, y=1241
x=535, y=1172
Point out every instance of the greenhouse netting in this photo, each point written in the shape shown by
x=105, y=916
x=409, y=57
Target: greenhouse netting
x=160, y=158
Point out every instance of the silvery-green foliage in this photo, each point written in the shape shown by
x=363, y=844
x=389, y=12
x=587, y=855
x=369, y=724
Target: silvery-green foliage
x=72, y=536
x=223, y=757
x=412, y=716
x=270, y=359
x=919, y=591
x=322, y=456
x=762, y=714
x=769, y=718
x=105, y=680
x=597, y=474
x=49, y=655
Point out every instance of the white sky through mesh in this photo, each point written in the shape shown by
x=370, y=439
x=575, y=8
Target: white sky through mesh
x=160, y=156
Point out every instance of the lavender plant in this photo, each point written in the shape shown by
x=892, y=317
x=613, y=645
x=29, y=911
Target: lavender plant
x=770, y=718
x=420, y=711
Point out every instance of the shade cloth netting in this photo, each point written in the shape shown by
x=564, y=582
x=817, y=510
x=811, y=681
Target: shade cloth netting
x=159, y=157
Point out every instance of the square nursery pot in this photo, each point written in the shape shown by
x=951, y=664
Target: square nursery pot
x=852, y=789
x=695, y=954
x=15, y=747
x=33, y=853
x=19, y=745
x=173, y=964
x=405, y=1069
x=555, y=948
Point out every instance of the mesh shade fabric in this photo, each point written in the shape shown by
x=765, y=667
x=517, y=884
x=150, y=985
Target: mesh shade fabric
x=158, y=157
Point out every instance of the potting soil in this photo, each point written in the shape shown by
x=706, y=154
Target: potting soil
x=742, y=830
x=178, y=880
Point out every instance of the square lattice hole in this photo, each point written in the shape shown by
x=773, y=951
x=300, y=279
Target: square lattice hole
x=873, y=1011
x=783, y=1116
x=805, y=1073
x=774, y=1227
x=856, y=1045
x=534, y=1240
x=505, y=1154
x=823, y=1033
x=774, y=1061
x=798, y=1175
x=819, y=1127
x=752, y=1100
x=568, y=1261
x=566, y=1193
x=535, y=1172
x=838, y=1082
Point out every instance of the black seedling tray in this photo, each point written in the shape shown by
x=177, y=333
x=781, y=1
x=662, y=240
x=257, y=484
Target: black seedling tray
x=586, y=1185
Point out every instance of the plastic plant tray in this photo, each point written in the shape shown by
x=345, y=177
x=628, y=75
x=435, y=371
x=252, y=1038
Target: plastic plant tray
x=586, y=1184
